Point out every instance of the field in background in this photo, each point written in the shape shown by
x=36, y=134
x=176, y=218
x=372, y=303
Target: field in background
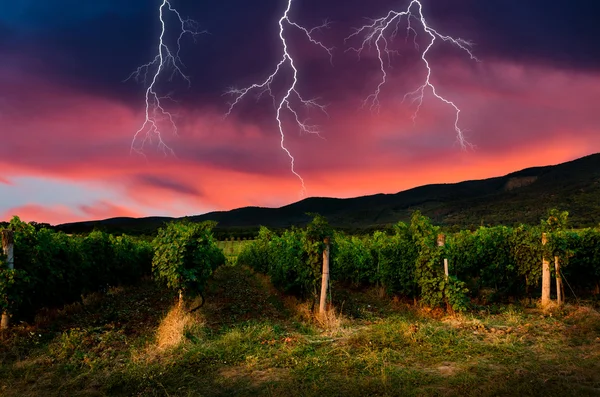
x=232, y=248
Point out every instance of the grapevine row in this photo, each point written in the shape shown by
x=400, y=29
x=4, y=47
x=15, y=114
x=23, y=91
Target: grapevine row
x=491, y=263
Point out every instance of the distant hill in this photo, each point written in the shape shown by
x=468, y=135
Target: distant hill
x=520, y=197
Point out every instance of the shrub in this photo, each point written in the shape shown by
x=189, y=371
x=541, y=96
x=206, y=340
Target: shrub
x=185, y=256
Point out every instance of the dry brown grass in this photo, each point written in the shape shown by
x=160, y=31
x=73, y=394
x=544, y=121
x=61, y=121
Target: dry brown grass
x=330, y=320
x=256, y=377
x=582, y=313
x=583, y=323
x=169, y=334
x=171, y=328
x=302, y=310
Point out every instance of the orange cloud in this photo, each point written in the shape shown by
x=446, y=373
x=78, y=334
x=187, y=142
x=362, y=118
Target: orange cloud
x=517, y=117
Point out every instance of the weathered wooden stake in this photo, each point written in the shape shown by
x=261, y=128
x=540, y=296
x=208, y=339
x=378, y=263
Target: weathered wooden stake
x=545, y=276
x=325, y=278
x=559, y=298
x=441, y=241
x=8, y=249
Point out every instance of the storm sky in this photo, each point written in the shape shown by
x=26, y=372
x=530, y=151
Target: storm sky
x=68, y=113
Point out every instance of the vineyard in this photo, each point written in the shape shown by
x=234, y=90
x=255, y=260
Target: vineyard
x=401, y=325
x=53, y=269
x=491, y=264
x=232, y=247
x=487, y=265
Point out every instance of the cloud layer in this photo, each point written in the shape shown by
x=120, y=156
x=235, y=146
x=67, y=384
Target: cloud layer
x=74, y=124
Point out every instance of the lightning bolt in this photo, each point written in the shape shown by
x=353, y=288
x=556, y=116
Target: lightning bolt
x=167, y=62
x=382, y=31
x=291, y=92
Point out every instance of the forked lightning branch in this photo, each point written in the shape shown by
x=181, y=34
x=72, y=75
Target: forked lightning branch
x=166, y=63
x=381, y=34
x=292, y=99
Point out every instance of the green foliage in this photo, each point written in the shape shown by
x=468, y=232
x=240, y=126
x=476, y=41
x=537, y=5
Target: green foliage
x=313, y=244
x=10, y=279
x=293, y=259
x=296, y=257
x=583, y=249
x=132, y=257
x=554, y=227
x=396, y=256
x=483, y=259
x=556, y=221
x=381, y=258
x=53, y=269
x=500, y=262
x=354, y=261
x=186, y=255
x=256, y=254
x=428, y=270
x=526, y=250
x=289, y=265
x=456, y=294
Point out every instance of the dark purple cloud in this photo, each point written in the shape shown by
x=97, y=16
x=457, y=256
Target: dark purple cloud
x=168, y=183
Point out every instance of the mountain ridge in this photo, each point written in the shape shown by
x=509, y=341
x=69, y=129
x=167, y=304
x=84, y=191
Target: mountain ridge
x=573, y=186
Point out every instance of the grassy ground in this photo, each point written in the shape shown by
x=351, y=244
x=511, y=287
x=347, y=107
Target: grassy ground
x=248, y=340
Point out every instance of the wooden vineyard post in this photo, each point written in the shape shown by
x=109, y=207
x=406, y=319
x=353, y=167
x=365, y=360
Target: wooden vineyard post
x=559, y=295
x=8, y=249
x=325, y=278
x=545, y=276
x=441, y=241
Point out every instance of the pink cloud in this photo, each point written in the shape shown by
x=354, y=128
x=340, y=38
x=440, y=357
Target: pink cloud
x=62, y=214
x=39, y=213
x=103, y=210
x=516, y=116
